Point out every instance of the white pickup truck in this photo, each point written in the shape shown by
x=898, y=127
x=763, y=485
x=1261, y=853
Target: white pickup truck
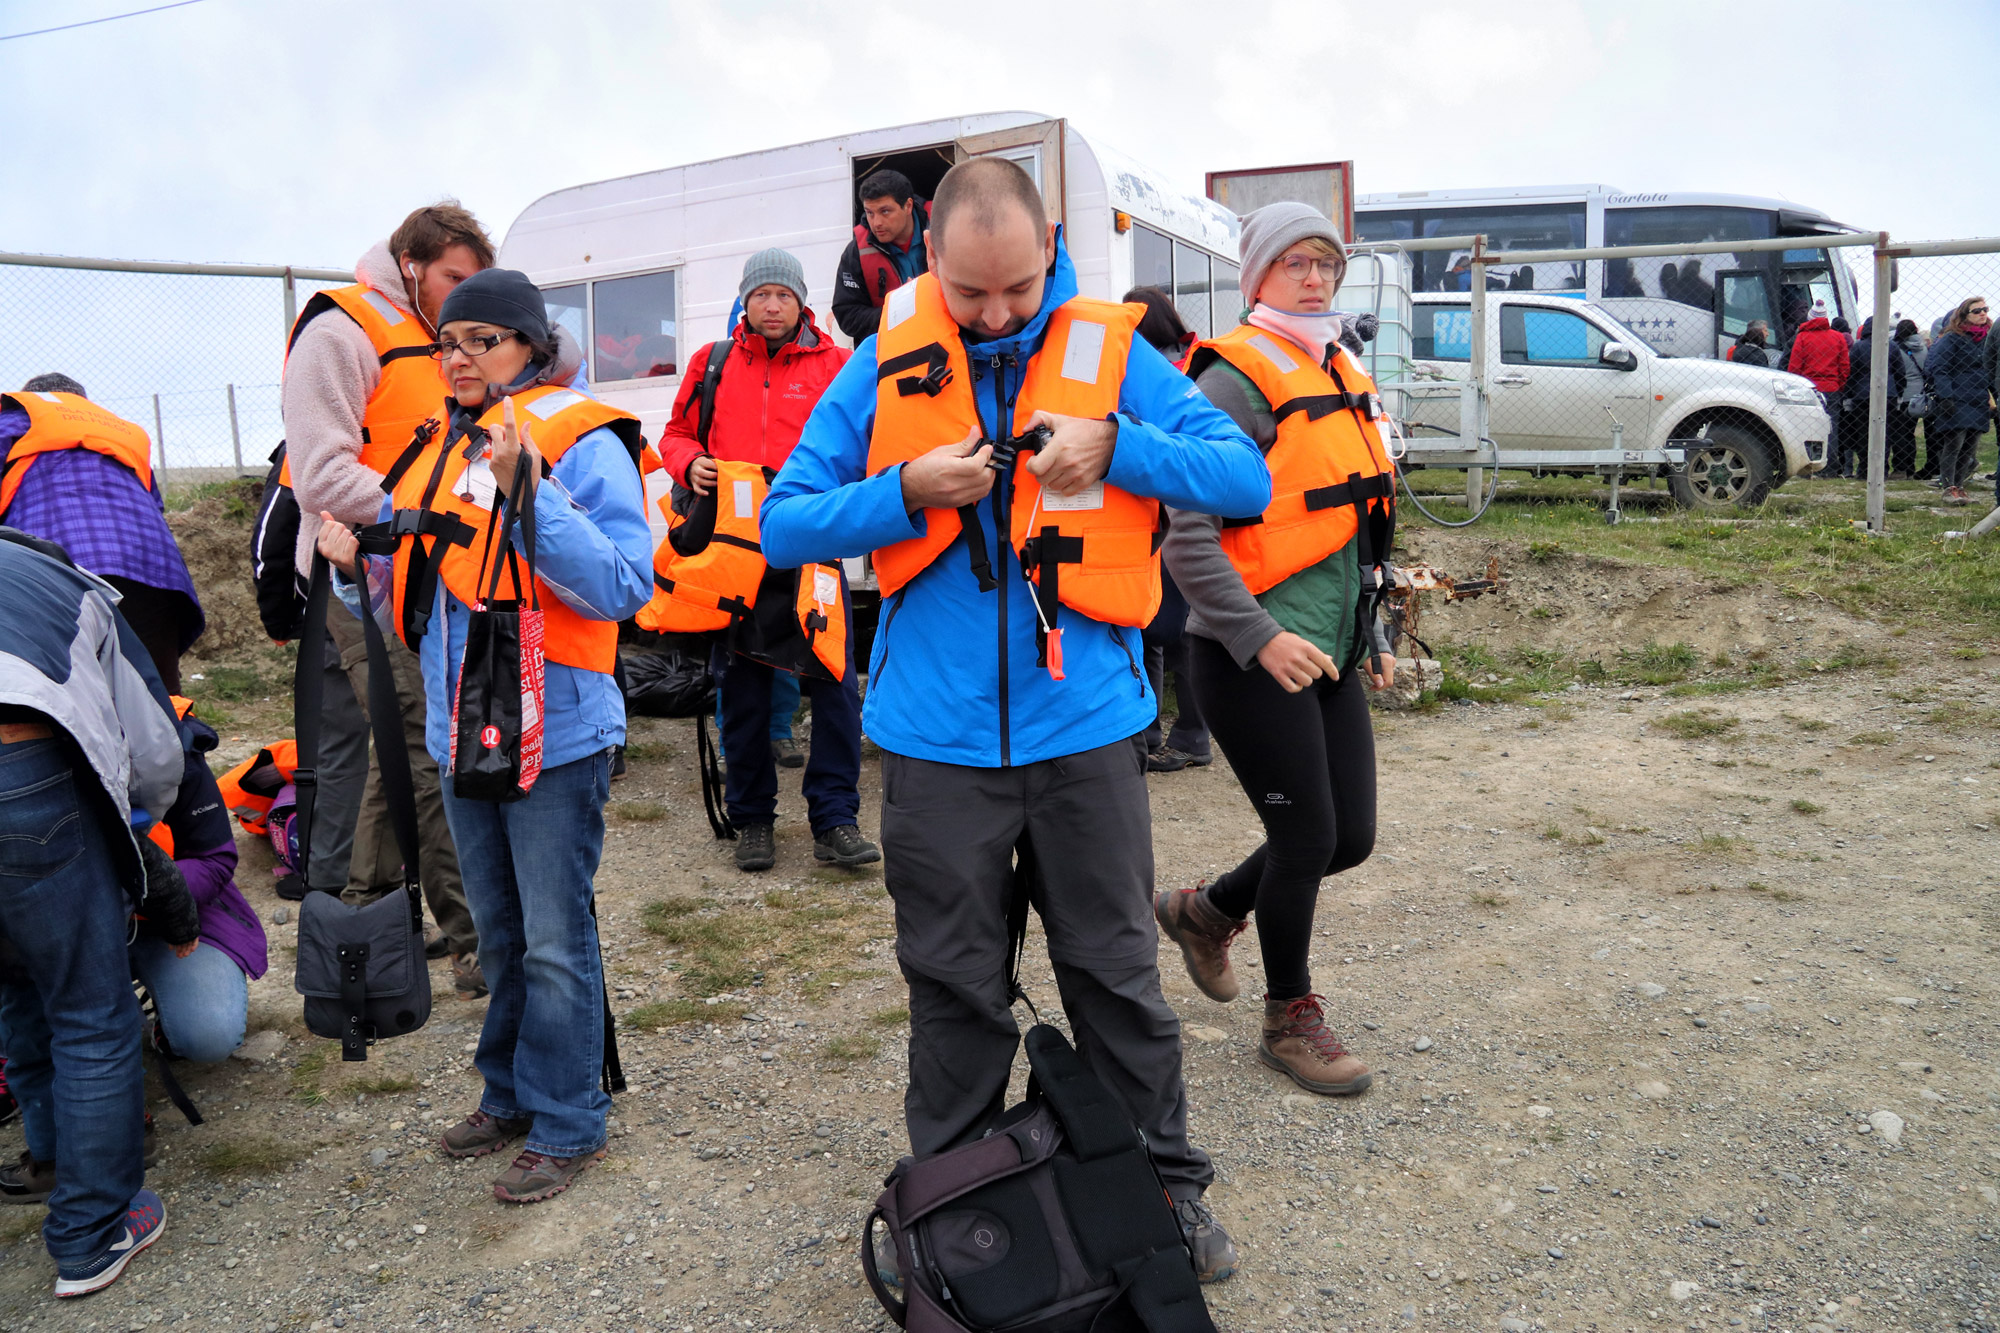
x=1560, y=370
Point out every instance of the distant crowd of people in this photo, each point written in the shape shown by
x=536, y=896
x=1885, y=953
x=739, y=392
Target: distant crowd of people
x=1946, y=382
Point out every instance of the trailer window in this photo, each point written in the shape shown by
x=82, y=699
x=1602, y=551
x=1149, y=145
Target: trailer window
x=1152, y=259
x=635, y=327
x=568, y=310
x=1191, y=286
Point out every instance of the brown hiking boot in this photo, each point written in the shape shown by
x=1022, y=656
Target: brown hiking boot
x=466, y=978
x=479, y=1134
x=534, y=1176
x=1298, y=1043
x=25, y=1180
x=1204, y=933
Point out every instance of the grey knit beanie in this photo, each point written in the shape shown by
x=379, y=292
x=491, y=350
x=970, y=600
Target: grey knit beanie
x=779, y=266
x=1272, y=230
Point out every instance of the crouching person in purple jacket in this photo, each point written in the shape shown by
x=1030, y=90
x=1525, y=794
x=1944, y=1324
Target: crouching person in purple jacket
x=201, y=991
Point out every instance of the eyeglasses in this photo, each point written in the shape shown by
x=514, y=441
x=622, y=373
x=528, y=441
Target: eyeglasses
x=1297, y=266
x=476, y=346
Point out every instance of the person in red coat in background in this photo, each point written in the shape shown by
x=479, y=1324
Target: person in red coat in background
x=779, y=363
x=1820, y=352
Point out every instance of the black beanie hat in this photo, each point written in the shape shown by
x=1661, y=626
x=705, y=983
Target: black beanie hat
x=501, y=296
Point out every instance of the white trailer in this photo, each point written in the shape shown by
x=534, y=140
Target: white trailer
x=643, y=269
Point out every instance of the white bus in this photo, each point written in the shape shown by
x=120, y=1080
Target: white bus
x=643, y=269
x=1693, y=306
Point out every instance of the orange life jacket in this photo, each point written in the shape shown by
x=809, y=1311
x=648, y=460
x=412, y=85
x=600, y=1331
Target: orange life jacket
x=68, y=421
x=425, y=489
x=162, y=836
x=717, y=586
x=410, y=391
x=249, y=788
x=1098, y=551
x=1331, y=479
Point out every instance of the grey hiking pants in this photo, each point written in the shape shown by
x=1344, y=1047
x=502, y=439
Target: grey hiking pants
x=1077, y=832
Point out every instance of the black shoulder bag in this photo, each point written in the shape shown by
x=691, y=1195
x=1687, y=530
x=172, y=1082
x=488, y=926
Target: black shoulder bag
x=361, y=970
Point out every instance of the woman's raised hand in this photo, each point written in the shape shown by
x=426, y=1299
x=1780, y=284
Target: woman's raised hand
x=512, y=443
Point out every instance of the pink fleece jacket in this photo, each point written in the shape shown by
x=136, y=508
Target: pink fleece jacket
x=329, y=378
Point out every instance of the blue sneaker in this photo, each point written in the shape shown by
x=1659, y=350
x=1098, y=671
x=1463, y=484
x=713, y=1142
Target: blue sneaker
x=144, y=1221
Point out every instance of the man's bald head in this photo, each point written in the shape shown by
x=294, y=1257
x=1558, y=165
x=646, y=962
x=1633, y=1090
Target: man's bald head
x=988, y=195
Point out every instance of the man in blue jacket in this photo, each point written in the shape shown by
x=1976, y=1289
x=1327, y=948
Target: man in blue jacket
x=996, y=773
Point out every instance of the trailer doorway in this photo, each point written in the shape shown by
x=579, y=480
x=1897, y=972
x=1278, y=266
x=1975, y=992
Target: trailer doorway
x=924, y=166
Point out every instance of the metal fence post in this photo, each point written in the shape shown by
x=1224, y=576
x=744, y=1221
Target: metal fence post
x=235, y=434
x=1881, y=332
x=159, y=434
x=1475, y=478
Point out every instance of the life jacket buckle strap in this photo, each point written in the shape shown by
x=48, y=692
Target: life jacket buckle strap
x=938, y=372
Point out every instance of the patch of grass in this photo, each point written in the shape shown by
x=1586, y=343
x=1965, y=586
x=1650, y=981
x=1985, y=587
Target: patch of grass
x=1968, y=654
x=1726, y=846
x=1657, y=663
x=1491, y=897
x=1957, y=713
x=890, y=1018
x=646, y=752
x=820, y=986
x=306, y=1075
x=1695, y=689
x=1541, y=551
x=639, y=812
x=252, y=1155
x=1775, y=895
x=239, y=496
x=1698, y=723
x=1805, y=807
x=675, y=1013
x=234, y=684
x=18, y=1227
x=1807, y=723
x=1871, y=738
x=1553, y=833
x=381, y=1084
x=845, y=1052
x=795, y=932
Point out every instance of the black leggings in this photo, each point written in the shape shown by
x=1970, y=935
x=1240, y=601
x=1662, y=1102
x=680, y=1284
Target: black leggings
x=1307, y=763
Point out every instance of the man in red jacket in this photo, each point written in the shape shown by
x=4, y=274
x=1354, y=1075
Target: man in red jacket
x=1819, y=352
x=778, y=364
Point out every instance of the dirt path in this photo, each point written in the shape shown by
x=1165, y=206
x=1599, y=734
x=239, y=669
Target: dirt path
x=1663, y=963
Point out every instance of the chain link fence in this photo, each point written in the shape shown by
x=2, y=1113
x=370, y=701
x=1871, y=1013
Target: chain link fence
x=191, y=352
x=1727, y=370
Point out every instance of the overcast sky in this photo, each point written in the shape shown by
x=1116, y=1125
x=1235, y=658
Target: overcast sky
x=300, y=131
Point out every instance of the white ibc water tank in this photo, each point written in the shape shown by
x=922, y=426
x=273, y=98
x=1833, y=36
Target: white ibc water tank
x=1378, y=282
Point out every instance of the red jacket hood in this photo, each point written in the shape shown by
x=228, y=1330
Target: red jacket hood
x=1815, y=325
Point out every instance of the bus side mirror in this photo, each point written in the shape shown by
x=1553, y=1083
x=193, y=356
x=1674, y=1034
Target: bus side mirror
x=1618, y=356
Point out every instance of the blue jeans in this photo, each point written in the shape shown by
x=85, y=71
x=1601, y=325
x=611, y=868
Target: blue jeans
x=203, y=1000
x=528, y=868
x=71, y=1026
x=833, y=767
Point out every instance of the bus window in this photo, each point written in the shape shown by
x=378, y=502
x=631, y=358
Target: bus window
x=1522, y=227
x=567, y=311
x=1746, y=298
x=1441, y=333
x=634, y=334
x=1191, y=287
x=1531, y=337
x=1152, y=259
x=1690, y=280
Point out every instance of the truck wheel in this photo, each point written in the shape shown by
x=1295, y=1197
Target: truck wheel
x=1728, y=467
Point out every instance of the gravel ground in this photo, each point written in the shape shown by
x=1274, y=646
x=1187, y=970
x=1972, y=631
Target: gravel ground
x=1668, y=1033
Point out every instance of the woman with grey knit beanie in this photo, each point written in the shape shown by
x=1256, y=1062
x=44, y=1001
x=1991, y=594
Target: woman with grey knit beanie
x=1281, y=630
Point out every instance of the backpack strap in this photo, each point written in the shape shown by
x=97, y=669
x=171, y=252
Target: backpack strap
x=711, y=381
x=1111, y=1195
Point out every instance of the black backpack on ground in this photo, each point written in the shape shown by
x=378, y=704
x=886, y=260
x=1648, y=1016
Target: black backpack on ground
x=1055, y=1222
x=281, y=602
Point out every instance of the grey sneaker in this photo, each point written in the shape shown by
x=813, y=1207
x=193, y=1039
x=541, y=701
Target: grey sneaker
x=844, y=846
x=1214, y=1253
x=534, y=1177
x=479, y=1134
x=466, y=978
x=756, y=847
x=787, y=753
